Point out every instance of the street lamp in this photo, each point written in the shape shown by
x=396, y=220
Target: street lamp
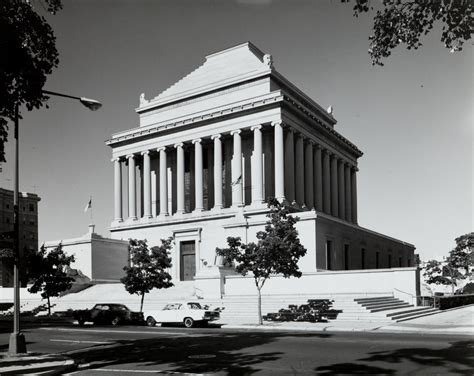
x=17, y=344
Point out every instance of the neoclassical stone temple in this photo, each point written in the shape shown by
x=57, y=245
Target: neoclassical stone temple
x=211, y=149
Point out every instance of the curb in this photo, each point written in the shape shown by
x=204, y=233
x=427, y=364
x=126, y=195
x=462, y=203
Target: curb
x=37, y=364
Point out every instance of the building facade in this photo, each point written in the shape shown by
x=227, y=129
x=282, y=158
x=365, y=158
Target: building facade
x=98, y=258
x=28, y=223
x=210, y=150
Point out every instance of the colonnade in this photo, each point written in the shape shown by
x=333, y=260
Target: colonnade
x=305, y=174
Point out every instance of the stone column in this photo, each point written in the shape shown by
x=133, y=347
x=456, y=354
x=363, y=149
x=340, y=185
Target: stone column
x=132, y=196
x=347, y=190
x=309, y=178
x=334, y=189
x=299, y=170
x=318, y=177
x=198, y=185
x=237, y=170
x=146, y=185
x=290, y=166
x=179, y=178
x=118, y=189
x=217, y=171
x=257, y=166
x=279, y=162
x=327, y=182
x=354, y=194
x=163, y=183
x=341, y=186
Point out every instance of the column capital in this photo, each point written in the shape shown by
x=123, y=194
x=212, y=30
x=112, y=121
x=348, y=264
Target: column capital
x=163, y=148
x=318, y=146
x=216, y=136
x=116, y=159
x=354, y=168
x=237, y=131
x=129, y=156
x=196, y=141
x=256, y=127
x=278, y=122
x=179, y=145
x=146, y=152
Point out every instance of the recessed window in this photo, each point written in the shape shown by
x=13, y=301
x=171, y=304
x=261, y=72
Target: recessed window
x=400, y=262
x=7, y=220
x=362, y=258
x=377, y=259
x=31, y=207
x=346, y=256
x=328, y=254
x=389, y=261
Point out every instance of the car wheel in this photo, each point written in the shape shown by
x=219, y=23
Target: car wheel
x=115, y=321
x=150, y=321
x=188, y=322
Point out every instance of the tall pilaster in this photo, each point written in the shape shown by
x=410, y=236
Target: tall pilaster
x=290, y=165
x=334, y=188
x=198, y=175
x=279, y=162
x=257, y=166
x=118, y=189
x=354, y=194
x=341, y=186
x=327, y=182
x=163, y=183
x=180, y=178
x=299, y=170
x=318, y=178
x=237, y=170
x=347, y=190
x=146, y=185
x=132, y=196
x=217, y=171
x=309, y=178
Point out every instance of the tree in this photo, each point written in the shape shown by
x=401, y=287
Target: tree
x=148, y=268
x=48, y=272
x=277, y=251
x=405, y=22
x=458, y=264
x=28, y=50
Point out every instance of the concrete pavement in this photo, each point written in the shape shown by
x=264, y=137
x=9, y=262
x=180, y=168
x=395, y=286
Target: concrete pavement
x=457, y=321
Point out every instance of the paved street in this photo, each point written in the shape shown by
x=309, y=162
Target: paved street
x=142, y=350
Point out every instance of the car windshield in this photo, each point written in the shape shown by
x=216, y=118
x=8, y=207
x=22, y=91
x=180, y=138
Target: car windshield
x=194, y=305
x=171, y=306
x=119, y=307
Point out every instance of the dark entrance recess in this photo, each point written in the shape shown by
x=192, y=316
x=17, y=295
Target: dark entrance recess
x=188, y=260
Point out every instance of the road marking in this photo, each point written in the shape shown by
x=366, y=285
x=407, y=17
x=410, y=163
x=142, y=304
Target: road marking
x=144, y=371
x=73, y=341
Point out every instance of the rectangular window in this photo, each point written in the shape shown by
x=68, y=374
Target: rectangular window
x=346, y=256
x=31, y=207
x=377, y=259
x=362, y=258
x=400, y=262
x=409, y=263
x=389, y=261
x=328, y=254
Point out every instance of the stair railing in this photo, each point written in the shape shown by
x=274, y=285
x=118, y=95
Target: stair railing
x=414, y=298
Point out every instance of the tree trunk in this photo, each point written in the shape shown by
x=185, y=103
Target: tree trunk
x=49, y=307
x=260, y=321
x=141, y=303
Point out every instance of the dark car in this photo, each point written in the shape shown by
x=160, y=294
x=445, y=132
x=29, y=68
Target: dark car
x=107, y=313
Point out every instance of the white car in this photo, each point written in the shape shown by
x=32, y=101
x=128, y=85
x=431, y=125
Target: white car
x=187, y=313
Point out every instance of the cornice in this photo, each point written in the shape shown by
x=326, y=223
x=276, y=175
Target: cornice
x=222, y=111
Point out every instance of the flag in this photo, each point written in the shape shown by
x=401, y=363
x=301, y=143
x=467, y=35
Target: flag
x=88, y=206
x=237, y=181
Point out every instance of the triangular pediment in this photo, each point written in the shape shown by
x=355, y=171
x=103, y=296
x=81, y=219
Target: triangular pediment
x=221, y=69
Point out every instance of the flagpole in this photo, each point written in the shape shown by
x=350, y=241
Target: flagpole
x=92, y=220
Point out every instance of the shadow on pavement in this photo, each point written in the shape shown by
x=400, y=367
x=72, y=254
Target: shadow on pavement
x=233, y=353
x=455, y=359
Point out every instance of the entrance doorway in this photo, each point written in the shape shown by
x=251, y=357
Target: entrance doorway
x=188, y=260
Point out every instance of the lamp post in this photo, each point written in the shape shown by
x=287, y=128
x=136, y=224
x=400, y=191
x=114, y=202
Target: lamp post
x=17, y=344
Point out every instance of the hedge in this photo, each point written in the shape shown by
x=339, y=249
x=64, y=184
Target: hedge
x=446, y=302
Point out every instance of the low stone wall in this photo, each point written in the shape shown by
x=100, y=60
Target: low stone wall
x=398, y=282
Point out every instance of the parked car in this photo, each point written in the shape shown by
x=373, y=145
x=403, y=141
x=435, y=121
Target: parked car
x=188, y=313
x=106, y=313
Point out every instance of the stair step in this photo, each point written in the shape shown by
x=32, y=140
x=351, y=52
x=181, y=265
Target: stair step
x=358, y=300
x=389, y=308
x=413, y=310
x=414, y=314
x=380, y=302
x=382, y=305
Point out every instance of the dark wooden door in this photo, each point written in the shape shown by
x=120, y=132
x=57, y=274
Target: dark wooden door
x=188, y=260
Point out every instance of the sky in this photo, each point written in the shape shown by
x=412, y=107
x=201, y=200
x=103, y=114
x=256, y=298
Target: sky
x=412, y=118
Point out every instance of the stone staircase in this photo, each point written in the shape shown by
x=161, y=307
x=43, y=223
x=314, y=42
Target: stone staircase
x=393, y=309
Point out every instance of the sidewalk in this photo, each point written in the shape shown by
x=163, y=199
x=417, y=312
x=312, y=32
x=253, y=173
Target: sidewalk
x=457, y=321
x=38, y=364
